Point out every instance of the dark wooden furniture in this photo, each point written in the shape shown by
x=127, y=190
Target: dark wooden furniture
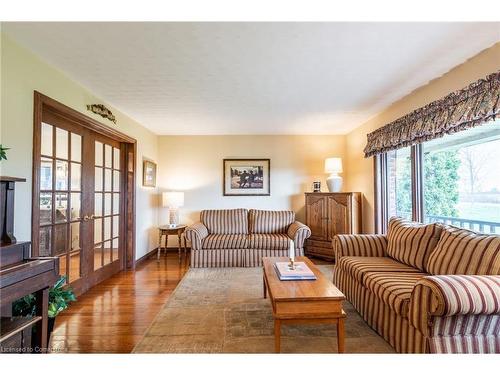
x=165, y=230
x=328, y=214
x=21, y=275
x=303, y=302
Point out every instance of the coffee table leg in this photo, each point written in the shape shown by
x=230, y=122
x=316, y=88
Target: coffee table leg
x=265, y=287
x=340, y=335
x=277, y=335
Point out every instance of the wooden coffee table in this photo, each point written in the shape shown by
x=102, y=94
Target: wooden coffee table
x=303, y=302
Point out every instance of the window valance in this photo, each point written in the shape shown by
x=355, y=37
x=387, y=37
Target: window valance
x=460, y=110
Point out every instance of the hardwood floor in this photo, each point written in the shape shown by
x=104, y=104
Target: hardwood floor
x=112, y=316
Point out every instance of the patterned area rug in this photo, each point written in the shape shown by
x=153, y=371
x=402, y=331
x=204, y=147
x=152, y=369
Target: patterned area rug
x=221, y=310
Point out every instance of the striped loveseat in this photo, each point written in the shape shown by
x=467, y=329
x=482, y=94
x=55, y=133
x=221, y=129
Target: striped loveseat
x=424, y=288
x=241, y=237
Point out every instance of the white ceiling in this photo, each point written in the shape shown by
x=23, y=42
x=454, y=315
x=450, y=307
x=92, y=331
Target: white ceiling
x=253, y=78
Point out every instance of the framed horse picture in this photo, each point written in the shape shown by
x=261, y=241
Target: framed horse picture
x=247, y=177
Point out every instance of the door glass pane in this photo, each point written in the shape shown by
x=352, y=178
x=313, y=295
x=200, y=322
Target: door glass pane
x=116, y=203
x=107, y=156
x=61, y=205
x=76, y=147
x=61, y=143
x=98, y=153
x=75, y=206
x=116, y=181
x=462, y=179
x=61, y=239
x=98, y=204
x=75, y=236
x=116, y=158
x=116, y=225
x=107, y=228
x=62, y=265
x=107, y=252
x=45, y=241
x=76, y=176
x=399, y=183
x=115, y=249
x=75, y=259
x=97, y=256
x=107, y=180
x=61, y=175
x=46, y=140
x=45, y=208
x=98, y=179
x=97, y=230
x=46, y=174
x=107, y=204
x=74, y=266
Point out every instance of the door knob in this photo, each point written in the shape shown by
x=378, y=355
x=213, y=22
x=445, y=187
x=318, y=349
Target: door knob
x=86, y=218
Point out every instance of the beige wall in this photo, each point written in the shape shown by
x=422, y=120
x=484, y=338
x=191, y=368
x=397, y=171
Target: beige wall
x=193, y=164
x=21, y=74
x=360, y=170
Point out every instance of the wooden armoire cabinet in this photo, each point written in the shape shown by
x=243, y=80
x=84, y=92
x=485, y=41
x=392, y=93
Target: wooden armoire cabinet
x=328, y=214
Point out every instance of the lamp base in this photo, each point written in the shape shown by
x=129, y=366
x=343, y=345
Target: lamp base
x=334, y=183
x=173, y=217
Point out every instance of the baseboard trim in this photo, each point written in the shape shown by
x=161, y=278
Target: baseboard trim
x=154, y=252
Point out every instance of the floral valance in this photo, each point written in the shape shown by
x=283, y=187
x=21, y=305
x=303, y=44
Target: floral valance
x=460, y=110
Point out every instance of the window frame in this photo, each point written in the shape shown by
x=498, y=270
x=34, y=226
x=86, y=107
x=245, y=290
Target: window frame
x=380, y=169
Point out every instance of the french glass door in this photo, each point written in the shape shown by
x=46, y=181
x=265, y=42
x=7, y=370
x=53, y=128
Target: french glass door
x=79, y=216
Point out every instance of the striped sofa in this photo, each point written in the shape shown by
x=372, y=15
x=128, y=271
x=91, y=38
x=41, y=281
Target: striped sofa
x=241, y=237
x=424, y=288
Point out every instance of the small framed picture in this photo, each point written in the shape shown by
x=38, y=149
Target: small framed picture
x=247, y=177
x=148, y=173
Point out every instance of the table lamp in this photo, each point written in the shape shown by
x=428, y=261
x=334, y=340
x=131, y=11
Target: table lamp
x=173, y=200
x=334, y=181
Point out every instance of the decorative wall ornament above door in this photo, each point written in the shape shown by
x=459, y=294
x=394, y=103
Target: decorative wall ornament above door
x=101, y=110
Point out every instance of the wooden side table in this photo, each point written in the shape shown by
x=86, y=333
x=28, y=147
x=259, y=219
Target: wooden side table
x=165, y=230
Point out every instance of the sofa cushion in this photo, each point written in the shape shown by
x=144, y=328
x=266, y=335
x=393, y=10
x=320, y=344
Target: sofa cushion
x=273, y=241
x=262, y=221
x=393, y=288
x=464, y=252
x=225, y=221
x=225, y=241
x=358, y=267
x=411, y=243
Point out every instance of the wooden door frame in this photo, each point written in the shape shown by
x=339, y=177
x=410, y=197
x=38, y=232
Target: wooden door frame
x=128, y=150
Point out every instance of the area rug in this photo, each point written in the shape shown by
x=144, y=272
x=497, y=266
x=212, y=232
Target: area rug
x=222, y=310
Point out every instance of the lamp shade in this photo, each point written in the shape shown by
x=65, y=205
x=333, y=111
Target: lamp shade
x=333, y=165
x=172, y=199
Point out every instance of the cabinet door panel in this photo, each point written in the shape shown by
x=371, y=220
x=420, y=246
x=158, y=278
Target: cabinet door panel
x=316, y=216
x=339, y=215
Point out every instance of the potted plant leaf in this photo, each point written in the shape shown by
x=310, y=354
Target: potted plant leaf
x=60, y=296
x=3, y=154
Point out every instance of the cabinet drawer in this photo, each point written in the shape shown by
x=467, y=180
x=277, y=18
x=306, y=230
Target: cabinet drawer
x=323, y=244
x=320, y=252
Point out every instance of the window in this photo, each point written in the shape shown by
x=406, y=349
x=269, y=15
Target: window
x=453, y=180
x=399, y=183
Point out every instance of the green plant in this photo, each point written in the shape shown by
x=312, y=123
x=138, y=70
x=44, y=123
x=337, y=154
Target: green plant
x=3, y=154
x=60, y=296
x=25, y=306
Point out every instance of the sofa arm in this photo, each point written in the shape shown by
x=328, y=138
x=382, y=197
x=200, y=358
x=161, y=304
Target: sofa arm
x=361, y=245
x=195, y=233
x=448, y=295
x=299, y=232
